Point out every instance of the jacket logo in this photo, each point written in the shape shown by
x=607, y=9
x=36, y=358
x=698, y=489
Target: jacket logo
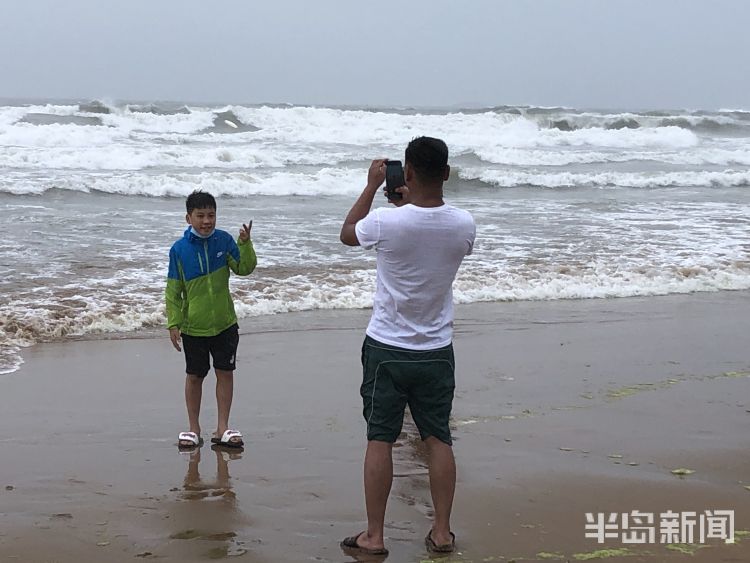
x=219, y=254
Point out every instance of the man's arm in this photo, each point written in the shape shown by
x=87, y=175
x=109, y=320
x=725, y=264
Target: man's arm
x=360, y=209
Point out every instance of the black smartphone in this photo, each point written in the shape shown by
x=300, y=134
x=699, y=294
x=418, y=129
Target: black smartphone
x=394, y=178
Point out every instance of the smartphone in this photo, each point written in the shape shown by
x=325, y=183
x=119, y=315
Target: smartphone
x=394, y=178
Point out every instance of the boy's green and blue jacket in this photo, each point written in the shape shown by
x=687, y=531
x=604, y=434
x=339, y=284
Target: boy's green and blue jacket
x=198, y=298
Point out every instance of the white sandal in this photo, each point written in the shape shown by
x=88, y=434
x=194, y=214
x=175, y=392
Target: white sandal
x=230, y=439
x=189, y=440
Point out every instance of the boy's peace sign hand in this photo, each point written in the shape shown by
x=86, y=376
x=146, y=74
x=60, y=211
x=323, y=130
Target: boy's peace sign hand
x=245, y=231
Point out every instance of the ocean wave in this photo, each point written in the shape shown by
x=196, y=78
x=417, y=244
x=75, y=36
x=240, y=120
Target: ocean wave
x=277, y=137
x=369, y=133
x=26, y=320
x=533, y=157
x=228, y=122
x=741, y=114
x=512, y=179
x=107, y=157
x=159, y=109
x=623, y=138
x=367, y=125
x=570, y=284
x=569, y=124
x=94, y=106
x=723, y=121
x=702, y=124
x=324, y=182
x=97, y=153
x=344, y=181
x=65, y=147
x=706, y=124
x=53, y=119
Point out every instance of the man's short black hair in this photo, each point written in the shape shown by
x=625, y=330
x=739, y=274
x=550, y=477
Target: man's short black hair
x=200, y=200
x=428, y=157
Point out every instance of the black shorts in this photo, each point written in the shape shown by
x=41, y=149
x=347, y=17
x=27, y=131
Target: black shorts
x=222, y=348
x=394, y=377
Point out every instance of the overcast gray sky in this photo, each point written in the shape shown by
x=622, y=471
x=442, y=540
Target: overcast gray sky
x=582, y=53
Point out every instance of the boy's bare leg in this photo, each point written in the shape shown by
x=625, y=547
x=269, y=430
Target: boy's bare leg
x=222, y=468
x=378, y=480
x=222, y=471
x=193, y=394
x=442, y=486
x=193, y=477
x=224, y=394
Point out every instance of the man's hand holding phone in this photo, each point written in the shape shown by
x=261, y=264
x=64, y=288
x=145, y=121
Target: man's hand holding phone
x=395, y=185
x=403, y=192
x=376, y=173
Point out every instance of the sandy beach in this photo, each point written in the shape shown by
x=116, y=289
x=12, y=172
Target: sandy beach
x=562, y=408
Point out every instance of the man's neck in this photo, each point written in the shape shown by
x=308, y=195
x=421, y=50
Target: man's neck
x=426, y=196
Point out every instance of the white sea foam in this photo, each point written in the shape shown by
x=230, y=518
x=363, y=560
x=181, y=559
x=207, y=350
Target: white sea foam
x=57, y=135
x=10, y=359
x=141, y=157
x=510, y=178
x=327, y=181
x=345, y=181
x=593, y=284
x=92, y=153
x=125, y=309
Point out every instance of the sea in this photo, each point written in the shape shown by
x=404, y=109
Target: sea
x=569, y=204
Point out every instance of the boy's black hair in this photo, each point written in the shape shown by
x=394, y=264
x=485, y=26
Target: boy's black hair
x=200, y=200
x=428, y=157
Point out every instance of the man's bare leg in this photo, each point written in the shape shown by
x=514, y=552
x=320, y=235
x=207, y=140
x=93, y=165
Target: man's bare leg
x=442, y=486
x=378, y=481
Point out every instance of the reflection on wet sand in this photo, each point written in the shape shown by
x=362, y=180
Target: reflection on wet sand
x=206, y=513
x=196, y=488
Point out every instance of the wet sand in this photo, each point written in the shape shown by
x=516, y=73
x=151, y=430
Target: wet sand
x=562, y=408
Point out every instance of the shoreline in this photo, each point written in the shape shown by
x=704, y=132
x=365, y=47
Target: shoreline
x=555, y=400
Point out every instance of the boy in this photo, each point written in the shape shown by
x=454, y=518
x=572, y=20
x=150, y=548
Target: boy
x=200, y=311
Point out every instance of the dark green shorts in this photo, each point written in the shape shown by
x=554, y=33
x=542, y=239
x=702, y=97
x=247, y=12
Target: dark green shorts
x=222, y=348
x=394, y=377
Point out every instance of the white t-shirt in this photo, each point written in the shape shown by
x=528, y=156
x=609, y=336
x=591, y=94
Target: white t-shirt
x=419, y=250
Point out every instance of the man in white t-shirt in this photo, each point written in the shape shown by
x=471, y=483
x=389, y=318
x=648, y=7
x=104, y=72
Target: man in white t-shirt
x=407, y=355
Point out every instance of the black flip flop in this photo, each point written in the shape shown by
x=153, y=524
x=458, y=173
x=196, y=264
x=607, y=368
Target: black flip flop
x=432, y=547
x=351, y=544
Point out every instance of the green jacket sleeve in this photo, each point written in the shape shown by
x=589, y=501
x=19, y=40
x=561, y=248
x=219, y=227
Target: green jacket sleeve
x=175, y=294
x=248, y=259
